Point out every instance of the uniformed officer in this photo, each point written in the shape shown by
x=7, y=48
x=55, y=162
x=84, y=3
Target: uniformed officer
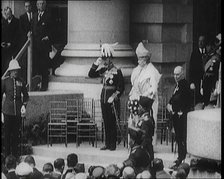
x=143, y=121
x=14, y=106
x=179, y=105
x=113, y=87
x=139, y=158
x=146, y=124
x=211, y=73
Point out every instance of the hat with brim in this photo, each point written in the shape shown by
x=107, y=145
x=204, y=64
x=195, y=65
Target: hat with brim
x=23, y=169
x=14, y=65
x=141, y=51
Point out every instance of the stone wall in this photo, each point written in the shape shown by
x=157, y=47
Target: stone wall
x=165, y=27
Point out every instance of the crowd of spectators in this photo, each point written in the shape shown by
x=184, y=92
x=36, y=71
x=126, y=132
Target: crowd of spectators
x=25, y=169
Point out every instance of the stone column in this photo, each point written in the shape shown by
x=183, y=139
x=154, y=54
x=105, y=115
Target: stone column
x=91, y=23
x=166, y=28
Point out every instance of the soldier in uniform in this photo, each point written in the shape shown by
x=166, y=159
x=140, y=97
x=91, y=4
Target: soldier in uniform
x=14, y=106
x=144, y=122
x=113, y=87
x=179, y=105
x=211, y=73
x=139, y=158
x=196, y=70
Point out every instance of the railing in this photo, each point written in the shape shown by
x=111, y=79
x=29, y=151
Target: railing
x=27, y=46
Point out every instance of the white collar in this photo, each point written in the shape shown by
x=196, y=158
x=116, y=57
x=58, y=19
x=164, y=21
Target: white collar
x=56, y=171
x=9, y=20
x=11, y=170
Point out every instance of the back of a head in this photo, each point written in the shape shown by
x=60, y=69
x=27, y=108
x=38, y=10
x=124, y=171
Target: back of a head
x=185, y=166
x=112, y=170
x=98, y=172
x=81, y=176
x=72, y=160
x=10, y=162
x=59, y=163
x=146, y=174
x=181, y=174
x=158, y=164
x=48, y=167
x=30, y=160
x=128, y=172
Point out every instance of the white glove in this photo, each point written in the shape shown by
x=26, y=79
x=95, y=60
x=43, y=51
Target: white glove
x=111, y=99
x=192, y=86
x=23, y=111
x=2, y=117
x=45, y=38
x=169, y=107
x=201, y=91
x=113, y=96
x=98, y=61
x=107, y=49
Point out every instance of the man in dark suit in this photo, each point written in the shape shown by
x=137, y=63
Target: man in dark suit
x=25, y=27
x=59, y=165
x=196, y=68
x=179, y=105
x=10, y=36
x=42, y=41
x=36, y=174
x=26, y=21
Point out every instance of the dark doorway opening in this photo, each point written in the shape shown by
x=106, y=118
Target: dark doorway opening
x=206, y=19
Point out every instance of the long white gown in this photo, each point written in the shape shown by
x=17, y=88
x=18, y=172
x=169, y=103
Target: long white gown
x=145, y=82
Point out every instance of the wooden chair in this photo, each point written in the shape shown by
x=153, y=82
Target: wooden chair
x=57, y=125
x=86, y=126
x=73, y=116
x=163, y=120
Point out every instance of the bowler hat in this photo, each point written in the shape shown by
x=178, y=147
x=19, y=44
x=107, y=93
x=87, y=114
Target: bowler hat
x=14, y=65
